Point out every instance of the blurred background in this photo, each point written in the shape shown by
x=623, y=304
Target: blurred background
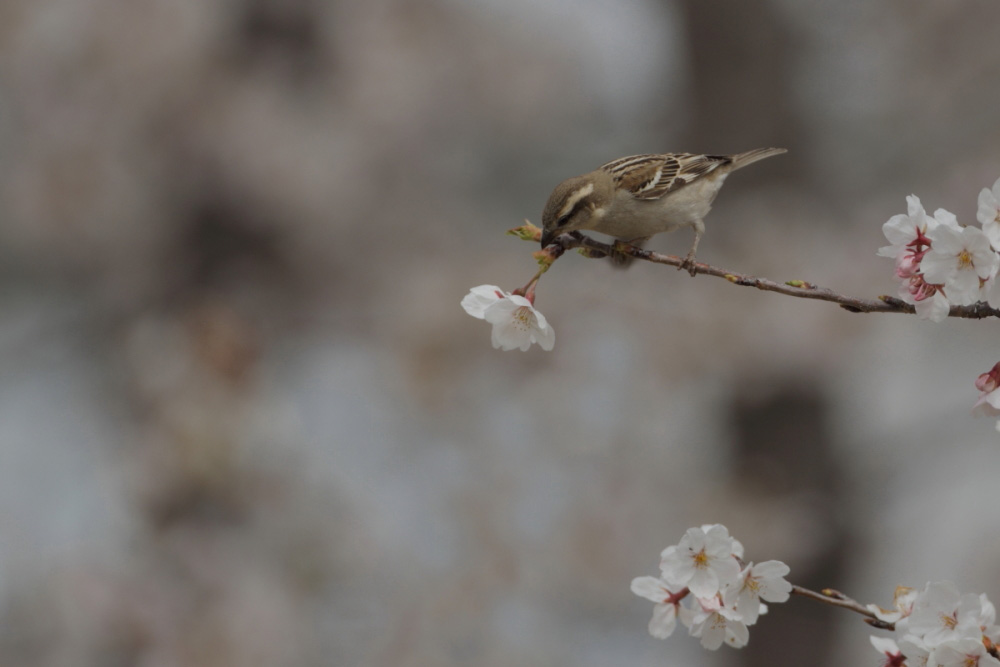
x=244, y=421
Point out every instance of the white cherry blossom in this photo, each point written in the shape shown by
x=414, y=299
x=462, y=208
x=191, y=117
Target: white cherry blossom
x=961, y=261
x=903, y=229
x=764, y=581
x=516, y=322
x=715, y=623
x=964, y=653
x=942, y=614
x=703, y=561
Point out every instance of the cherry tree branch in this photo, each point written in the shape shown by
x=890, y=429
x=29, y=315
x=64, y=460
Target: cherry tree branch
x=838, y=599
x=796, y=288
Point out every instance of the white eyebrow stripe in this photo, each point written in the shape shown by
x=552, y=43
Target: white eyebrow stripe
x=572, y=200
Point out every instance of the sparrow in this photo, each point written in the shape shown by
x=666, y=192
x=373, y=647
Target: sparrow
x=633, y=198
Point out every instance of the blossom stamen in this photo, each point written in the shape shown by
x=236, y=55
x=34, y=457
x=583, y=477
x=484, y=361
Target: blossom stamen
x=965, y=260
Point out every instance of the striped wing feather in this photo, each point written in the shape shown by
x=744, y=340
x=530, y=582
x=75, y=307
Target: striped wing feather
x=652, y=176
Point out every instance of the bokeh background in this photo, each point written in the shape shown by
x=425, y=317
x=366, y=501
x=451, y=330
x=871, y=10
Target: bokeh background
x=244, y=421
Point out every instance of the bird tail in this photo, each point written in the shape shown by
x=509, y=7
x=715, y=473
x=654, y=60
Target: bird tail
x=741, y=160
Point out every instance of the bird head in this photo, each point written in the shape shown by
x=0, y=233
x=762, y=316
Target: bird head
x=576, y=203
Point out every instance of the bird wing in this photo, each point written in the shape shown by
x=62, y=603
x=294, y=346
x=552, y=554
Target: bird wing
x=655, y=175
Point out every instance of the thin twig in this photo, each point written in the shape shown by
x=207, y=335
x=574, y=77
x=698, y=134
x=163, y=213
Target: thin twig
x=797, y=288
x=838, y=599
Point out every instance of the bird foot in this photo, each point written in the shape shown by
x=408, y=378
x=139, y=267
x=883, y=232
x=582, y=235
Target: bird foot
x=689, y=265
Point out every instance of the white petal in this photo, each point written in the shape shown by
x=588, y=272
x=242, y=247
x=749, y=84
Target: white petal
x=749, y=606
x=938, y=267
x=712, y=636
x=546, y=338
x=946, y=239
x=947, y=218
x=984, y=408
x=935, y=309
x=480, y=298
x=664, y=621
x=704, y=583
x=962, y=288
x=884, y=645
x=737, y=634
x=992, y=231
x=890, y=251
x=899, y=229
x=989, y=207
x=771, y=568
x=651, y=588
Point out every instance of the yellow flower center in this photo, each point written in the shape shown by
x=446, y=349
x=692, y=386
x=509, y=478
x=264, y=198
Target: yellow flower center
x=965, y=260
x=523, y=318
x=701, y=560
x=949, y=621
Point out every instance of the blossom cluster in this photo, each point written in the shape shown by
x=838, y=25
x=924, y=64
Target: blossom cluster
x=516, y=322
x=941, y=263
x=705, y=584
x=939, y=627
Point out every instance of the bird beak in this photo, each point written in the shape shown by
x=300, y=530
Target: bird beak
x=547, y=237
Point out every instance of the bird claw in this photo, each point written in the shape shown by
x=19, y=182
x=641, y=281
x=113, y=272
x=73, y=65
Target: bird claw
x=689, y=265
